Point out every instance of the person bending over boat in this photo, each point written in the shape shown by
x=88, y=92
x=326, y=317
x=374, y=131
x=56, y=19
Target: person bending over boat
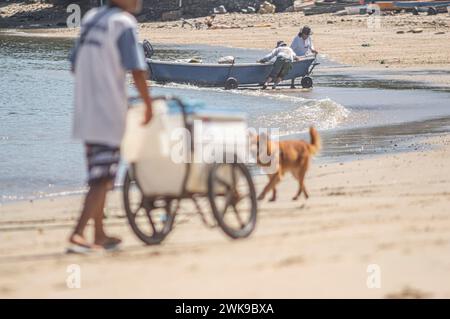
x=284, y=56
x=303, y=45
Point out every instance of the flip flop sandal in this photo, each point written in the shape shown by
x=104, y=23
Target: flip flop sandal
x=80, y=250
x=112, y=244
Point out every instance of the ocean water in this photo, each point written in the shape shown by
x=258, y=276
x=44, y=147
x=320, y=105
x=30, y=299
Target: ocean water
x=38, y=157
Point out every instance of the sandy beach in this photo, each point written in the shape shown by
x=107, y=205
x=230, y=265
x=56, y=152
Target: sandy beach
x=386, y=212
x=390, y=211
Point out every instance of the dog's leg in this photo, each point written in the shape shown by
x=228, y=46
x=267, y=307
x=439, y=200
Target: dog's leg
x=274, y=179
x=302, y=179
x=298, y=192
x=296, y=175
x=274, y=195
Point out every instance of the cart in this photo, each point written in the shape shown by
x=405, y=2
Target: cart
x=155, y=184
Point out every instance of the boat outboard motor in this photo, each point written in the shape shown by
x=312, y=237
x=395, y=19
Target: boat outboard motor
x=148, y=49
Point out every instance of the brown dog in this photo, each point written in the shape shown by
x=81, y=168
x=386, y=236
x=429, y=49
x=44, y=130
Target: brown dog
x=290, y=156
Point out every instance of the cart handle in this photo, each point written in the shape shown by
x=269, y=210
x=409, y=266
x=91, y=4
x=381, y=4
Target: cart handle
x=313, y=65
x=165, y=98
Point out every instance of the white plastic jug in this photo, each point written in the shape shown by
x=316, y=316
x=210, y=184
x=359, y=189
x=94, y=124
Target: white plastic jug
x=148, y=148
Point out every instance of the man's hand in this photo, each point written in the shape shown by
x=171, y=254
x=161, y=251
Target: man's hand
x=315, y=52
x=140, y=82
x=148, y=114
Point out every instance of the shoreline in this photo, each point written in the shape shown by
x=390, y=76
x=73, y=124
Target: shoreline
x=257, y=31
x=398, y=146
x=396, y=45
x=370, y=211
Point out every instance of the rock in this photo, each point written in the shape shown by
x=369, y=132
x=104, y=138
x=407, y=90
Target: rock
x=417, y=30
x=400, y=32
x=440, y=32
x=267, y=7
x=365, y=45
x=330, y=22
x=340, y=13
x=248, y=10
x=299, y=5
x=220, y=10
x=171, y=15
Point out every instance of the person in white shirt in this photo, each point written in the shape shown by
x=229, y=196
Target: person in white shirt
x=105, y=51
x=284, y=56
x=303, y=45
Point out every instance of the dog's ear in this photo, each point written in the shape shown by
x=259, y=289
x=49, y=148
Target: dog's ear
x=253, y=137
x=263, y=139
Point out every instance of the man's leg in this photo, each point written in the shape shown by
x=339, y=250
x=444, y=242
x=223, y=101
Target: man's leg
x=293, y=83
x=100, y=238
x=269, y=79
x=102, y=162
x=93, y=206
x=275, y=83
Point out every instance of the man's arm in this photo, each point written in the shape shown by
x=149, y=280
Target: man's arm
x=270, y=56
x=132, y=57
x=140, y=81
x=313, y=50
x=73, y=55
x=294, y=44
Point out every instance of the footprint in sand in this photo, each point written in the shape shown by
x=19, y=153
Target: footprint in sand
x=408, y=293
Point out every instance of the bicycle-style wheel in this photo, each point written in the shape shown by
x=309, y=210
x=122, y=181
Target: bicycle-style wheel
x=151, y=219
x=232, y=196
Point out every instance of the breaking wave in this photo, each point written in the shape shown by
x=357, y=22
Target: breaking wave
x=271, y=109
x=323, y=114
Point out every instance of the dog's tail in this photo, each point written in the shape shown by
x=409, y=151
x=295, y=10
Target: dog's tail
x=315, y=145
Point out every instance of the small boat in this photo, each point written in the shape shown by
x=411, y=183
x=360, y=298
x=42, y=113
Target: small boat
x=413, y=4
x=406, y=5
x=229, y=76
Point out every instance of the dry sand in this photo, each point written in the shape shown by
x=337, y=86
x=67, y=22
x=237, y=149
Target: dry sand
x=392, y=211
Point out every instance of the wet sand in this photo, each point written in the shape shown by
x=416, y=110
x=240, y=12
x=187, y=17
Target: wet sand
x=391, y=211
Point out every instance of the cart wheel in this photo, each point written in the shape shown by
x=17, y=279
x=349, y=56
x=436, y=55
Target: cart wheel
x=432, y=11
x=232, y=196
x=151, y=219
x=148, y=49
x=231, y=84
x=307, y=82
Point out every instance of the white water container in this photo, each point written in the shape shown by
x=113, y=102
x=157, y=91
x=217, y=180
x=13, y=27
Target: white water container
x=356, y=10
x=229, y=59
x=148, y=148
x=160, y=151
